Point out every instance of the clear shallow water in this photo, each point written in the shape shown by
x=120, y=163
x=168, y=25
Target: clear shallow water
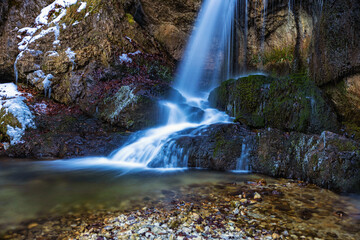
x=30, y=190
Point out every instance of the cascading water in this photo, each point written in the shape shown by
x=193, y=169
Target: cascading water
x=210, y=48
x=209, y=52
x=242, y=164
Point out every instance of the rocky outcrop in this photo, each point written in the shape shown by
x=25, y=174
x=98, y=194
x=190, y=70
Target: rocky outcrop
x=14, y=15
x=67, y=134
x=335, y=57
x=291, y=103
x=328, y=160
x=278, y=36
x=89, y=54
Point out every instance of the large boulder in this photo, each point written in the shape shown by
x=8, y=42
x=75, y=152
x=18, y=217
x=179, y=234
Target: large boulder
x=328, y=160
x=218, y=147
x=135, y=107
x=291, y=103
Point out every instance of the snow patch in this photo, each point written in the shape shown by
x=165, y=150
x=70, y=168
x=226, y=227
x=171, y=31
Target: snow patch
x=41, y=21
x=82, y=7
x=13, y=102
x=61, y=15
x=43, y=18
x=52, y=54
x=9, y=90
x=71, y=55
x=47, y=85
x=43, y=33
x=130, y=40
x=124, y=58
x=135, y=53
x=28, y=30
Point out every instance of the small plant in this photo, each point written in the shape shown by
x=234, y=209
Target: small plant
x=279, y=55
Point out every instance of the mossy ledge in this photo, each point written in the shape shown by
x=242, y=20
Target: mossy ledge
x=292, y=103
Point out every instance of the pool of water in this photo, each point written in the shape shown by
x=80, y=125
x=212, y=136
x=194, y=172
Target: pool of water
x=33, y=190
x=30, y=190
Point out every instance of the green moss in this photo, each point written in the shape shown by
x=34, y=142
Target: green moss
x=289, y=103
x=7, y=118
x=344, y=145
x=130, y=18
x=353, y=130
x=220, y=143
x=72, y=15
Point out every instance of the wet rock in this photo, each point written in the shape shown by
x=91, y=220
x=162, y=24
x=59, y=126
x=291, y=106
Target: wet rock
x=66, y=136
x=291, y=103
x=328, y=160
x=135, y=108
x=217, y=146
x=257, y=196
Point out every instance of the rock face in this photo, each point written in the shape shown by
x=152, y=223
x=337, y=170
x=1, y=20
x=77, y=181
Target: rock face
x=170, y=22
x=327, y=160
x=336, y=46
x=292, y=103
x=345, y=95
x=67, y=135
x=335, y=57
x=91, y=55
x=278, y=40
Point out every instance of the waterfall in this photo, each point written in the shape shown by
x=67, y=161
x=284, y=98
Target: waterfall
x=242, y=164
x=207, y=59
x=209, y=49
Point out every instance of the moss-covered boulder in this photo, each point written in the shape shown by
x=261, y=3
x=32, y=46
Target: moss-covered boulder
x=290, y=103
